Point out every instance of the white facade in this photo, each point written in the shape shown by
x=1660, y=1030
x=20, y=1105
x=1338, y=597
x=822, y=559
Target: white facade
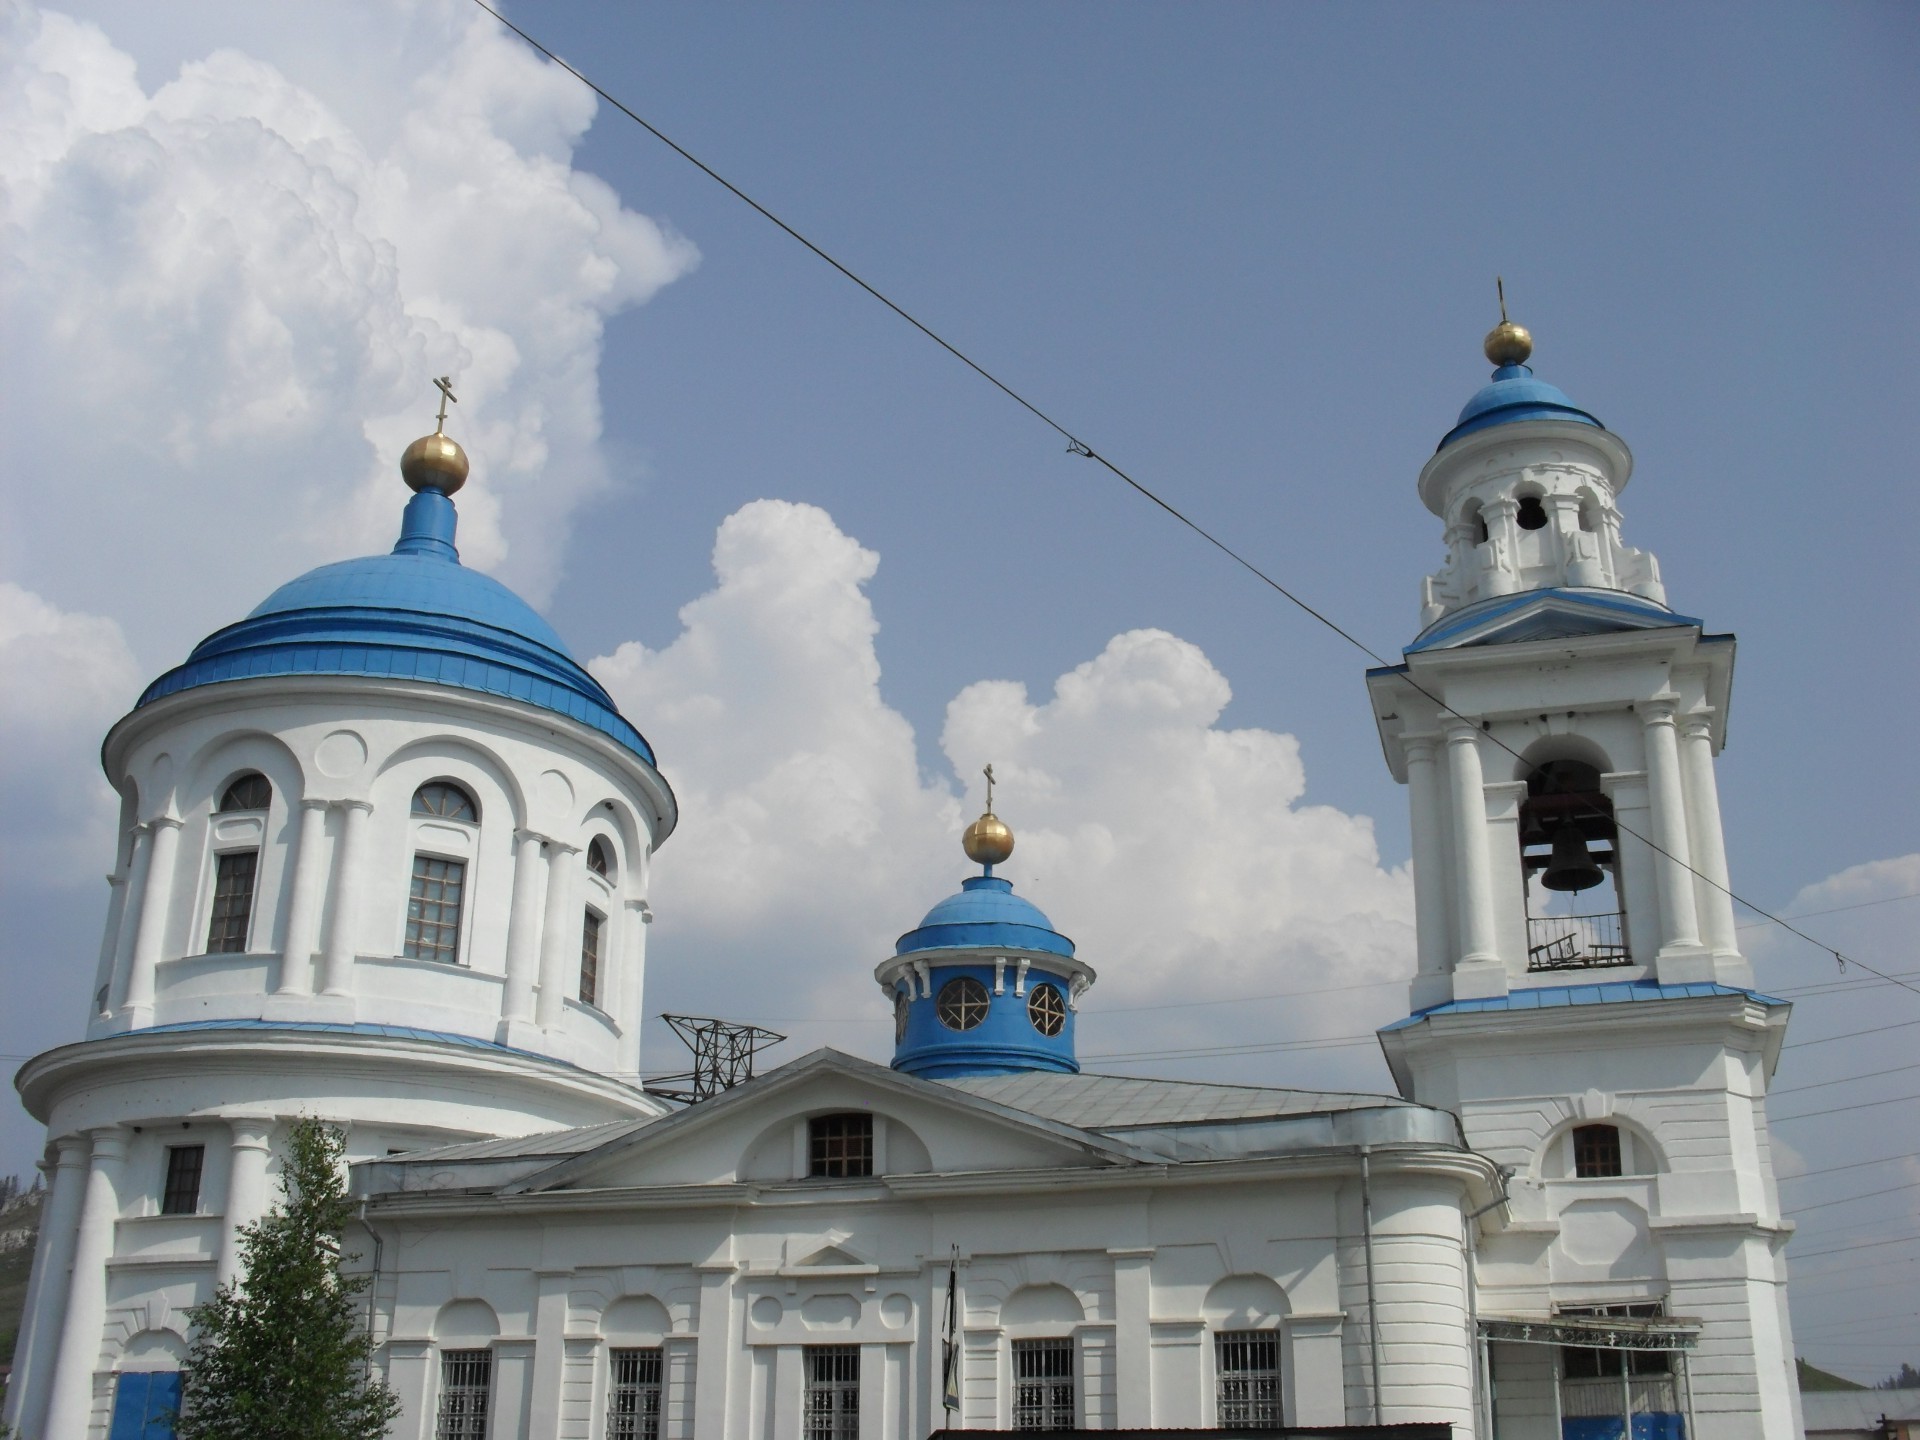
x=1578, y=1152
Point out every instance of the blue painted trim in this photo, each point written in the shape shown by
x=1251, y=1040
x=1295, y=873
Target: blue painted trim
x=1557, y=997
x=1005, y=1043
x=1615, y=605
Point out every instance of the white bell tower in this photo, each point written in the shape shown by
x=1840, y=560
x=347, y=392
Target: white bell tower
x=1581, y=1002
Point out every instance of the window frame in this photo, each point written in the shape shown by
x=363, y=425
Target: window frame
x=451, y=1422
x=609, y=870
x=964, y=1002
x=593, y=925
x=181, y=1180
x=1250, y=1405
x=417, y=808
x=408, y=943
x=239, y=807
x=848, y=1149
x=1045, y=1412
x=1045, y=1000
x=648, y=1396
x=837, y=1419
x=221, y=859
x=1580, y=1153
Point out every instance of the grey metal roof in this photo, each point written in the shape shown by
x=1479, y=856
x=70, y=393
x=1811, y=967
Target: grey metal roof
x=1856, y=1412
x=1098, y=1102
x=547, y=1142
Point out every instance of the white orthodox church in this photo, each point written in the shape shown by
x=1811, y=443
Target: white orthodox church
x=383, y=860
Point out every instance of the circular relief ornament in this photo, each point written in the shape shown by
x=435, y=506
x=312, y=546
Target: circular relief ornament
x=962, y=1003
x=900, y=1006
x=1046, y=1009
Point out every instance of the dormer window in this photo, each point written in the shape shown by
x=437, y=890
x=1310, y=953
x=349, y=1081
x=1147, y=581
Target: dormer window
x=840, y=1147
x=600, y=859
x=250, y=791
x=1596, y=1152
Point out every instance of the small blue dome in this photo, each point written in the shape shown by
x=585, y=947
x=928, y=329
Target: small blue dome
x=985, y=914
x=1514, y=394
x=415, y=614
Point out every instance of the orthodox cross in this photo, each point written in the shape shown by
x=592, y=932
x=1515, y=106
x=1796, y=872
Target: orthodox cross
x=1500, y=289
x=988, y=772
x=445, y=386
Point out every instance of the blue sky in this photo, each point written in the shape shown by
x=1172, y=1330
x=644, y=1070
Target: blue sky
x=1245, y=251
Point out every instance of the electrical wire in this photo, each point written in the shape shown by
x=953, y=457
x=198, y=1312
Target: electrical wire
x=1855, y=1165
x=1079, y=447
x=1851, y=1035
x=1857, y=1245
x=1844, y=1109
x=1849, y=1199
x=1843, y=1080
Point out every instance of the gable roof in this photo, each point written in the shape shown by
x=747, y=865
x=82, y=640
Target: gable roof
x=1556, y=613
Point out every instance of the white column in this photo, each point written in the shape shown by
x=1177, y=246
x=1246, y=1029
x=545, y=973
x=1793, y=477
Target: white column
x=1679, y=921
x=155, y=901
x=549, y=1353
x=561, y=942
x=1132, y=1337
x=1503, y=567
x=1709, y=841
x=246, y=1187
x=46, y=1304
x=523, y=927
x=139, y=866
x=303, y=910
x=70, y=1398
x=343, y=934
x=633, y=986
x=1473, y=881
x=1429, y=852
x=100, y=998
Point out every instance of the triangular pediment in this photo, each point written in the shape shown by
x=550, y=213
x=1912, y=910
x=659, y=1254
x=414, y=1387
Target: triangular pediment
x=756, y=1134
x=1557, y=614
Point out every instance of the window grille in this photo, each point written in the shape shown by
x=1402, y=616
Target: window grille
x=1247, y=1378
x=599, y=858
x=181, y=1196
x=962, y=1003
x=840, y=1147
x=433, y=908
x=1596, y=1151
x=233, y=874
x=1602, y=1384
x=1046, y=1009
x=466, y=1385
x=633, y=1402
x=248, y=792
x=445, y=802
x=1043, y=1385
x=833, y=1392
x=590, y=959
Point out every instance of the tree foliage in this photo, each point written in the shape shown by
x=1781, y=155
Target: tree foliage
x=281, y=1351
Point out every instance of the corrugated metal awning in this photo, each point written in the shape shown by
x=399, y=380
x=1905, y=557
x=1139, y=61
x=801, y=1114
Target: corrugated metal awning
x=1594, y=1332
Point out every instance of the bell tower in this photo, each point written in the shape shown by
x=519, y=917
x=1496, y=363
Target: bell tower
x=1580, y=1000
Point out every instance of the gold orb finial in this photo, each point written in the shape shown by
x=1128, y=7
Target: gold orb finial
x=987, y=840
x=1507, y=343
x=434, y=462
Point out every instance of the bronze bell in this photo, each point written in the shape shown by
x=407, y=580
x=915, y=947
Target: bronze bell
x=1570, y=867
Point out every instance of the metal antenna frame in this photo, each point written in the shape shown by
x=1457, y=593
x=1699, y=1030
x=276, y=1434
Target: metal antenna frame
x=723, y=1052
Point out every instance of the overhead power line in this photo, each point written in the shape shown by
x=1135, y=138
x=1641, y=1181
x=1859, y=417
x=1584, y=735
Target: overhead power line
x=1077, y=446
x=1850, y=1199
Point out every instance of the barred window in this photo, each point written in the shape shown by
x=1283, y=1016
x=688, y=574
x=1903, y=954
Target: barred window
x=1247, y=1378
x=466, y=1385
x=1596, y=1151
x=633, y=1400
x=590, y=959
x=443, y=801
x=433, y=908
x=1047, y=1009
x=599, y=858
x=181, y=1196
x=833, y=1392
x=1043, y=1385
x=250, y=791
x=233, y=874
x=962, y=1003
x=840, y=1147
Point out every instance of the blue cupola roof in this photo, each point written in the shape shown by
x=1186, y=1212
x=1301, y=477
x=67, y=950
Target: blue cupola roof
x=415, y=614
x=986, y=914
x=1515, y=394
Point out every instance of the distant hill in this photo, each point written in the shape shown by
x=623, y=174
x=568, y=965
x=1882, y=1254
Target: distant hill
x=19, y=1229
x=1812, y=1377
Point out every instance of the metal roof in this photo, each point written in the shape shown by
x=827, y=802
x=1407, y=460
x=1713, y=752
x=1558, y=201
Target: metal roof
x=1097, y=1102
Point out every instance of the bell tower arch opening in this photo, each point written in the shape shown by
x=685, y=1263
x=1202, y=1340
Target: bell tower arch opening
x=1570, y=863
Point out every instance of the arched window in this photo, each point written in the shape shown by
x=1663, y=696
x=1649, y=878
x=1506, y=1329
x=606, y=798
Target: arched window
x=1596, y=1152
x=250, y=791
x=1531, y=515
x=600, y=858
x=444, y=801
x=1475, y=519
x=962, y=1003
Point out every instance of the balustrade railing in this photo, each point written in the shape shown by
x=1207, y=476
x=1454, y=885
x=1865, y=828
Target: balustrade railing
x=1576, y=942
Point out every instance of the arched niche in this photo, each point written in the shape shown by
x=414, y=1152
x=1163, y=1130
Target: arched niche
x=1640, y=1154
x=1549, y=748
x=465, y=1325
x=1042, y=1307
x=636, y=1320
x=153, y=1350
x=1244, y=1302
x=467, y=763
x=229, y=755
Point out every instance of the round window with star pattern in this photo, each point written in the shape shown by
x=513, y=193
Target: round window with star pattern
x=1046, y=1009
x=900, y=1007
x=962, y=1003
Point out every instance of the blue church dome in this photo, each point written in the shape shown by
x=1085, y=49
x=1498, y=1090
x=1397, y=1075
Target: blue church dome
x=1515, y=394
x=415, y=614
x=986, y=914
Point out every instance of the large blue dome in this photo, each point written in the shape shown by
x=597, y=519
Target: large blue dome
x=1514, y=394
x=987, y=914
x=416, y=614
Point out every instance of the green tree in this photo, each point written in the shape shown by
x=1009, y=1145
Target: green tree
x=281, y=1351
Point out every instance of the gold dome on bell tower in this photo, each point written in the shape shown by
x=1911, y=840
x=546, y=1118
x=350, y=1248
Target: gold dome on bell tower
x=988, y=841
x=436, y=461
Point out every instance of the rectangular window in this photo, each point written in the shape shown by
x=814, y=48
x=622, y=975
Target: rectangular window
x=182, y=1194
x=1596, y=1151
x=233, y=874
x=833, y=1392
x=433, y=909
x=1247, y=1378
x=466, y=1384
x=633, y=1402
x=144, y=1403
x=590, y=959
x=1043, y=1385
x=840, y=1147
